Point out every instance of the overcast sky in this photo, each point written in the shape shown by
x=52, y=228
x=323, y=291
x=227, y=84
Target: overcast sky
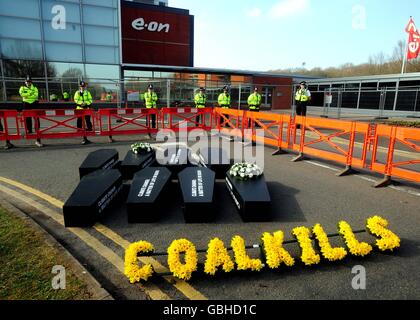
x=274, y=34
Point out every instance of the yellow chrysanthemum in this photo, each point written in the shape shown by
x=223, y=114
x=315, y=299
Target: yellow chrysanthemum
x=274, y=252
x=309, y=256
x=329, y=253
x=132, y=270
x=217, y=255
x=355, y=247
x=182, y=270
x=242, y=259
x=377, y=226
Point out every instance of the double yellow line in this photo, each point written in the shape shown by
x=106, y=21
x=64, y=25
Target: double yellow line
x=150, y=289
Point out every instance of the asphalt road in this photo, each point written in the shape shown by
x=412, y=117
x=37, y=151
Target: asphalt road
x=303, y=194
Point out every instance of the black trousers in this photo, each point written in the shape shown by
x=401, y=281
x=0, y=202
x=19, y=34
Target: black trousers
x=301, y=108
x=1, y=126
x=28, y=120
x=88, y=123
x=249, y=120
x=153, y=119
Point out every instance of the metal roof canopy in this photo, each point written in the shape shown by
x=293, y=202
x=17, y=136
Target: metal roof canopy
x=385, y=77
x=149, y=67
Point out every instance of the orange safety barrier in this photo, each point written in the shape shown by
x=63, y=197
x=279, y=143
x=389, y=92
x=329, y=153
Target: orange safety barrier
x=56, y=124
x=273, y=125
x=389, y=166
x=127, y=121
x=230, y=121
x=186, y=119
x=9, y=125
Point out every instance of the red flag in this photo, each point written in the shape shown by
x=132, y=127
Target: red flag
x=413, y=46
x=411, y=27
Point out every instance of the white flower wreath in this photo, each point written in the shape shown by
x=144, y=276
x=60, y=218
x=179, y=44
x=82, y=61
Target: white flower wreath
x=245, y=171
x=141, y=147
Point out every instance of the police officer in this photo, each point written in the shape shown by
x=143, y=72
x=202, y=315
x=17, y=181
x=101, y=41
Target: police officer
x=109, y=97
x=66, y=96
x=83, y=100
x=200, y=101
x=254, y=103
x=302, y=98
x=29, y=94
x=224, y=102
x=224, y=99
x=151, y=99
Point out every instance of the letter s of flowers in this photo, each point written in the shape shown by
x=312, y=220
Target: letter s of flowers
x=275, y=254
x=180, y=270
x=329, y=253
x=131, y=268
x=242, y=259
x=377, y=226
x=309, y=256
x=355, y=247
x=217, y=255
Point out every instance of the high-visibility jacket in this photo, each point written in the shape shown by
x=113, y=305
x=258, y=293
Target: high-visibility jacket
x=302, y=95
x=254, y=101
x=80, y=97
x=224, y=100
x=109, y=97
x=29, y=95
x=151, y=99
x=200, y=100
x=53, y=97
x=66, y=96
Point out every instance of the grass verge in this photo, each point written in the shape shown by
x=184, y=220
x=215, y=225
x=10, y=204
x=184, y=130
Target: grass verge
x=26, y=263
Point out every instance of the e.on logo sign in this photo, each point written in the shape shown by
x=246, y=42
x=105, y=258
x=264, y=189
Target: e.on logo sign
x=153, y=26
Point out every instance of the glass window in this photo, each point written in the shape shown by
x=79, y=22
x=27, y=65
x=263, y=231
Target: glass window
x=22, y=68
x=20, y=28
x=98, y=71
x=63, y=52
x=100, y=16
x=21, y=8
x=100, y=36
x=102, y=54
x=21, y=49
x=102, y=3
x=71, y=34
x=369, y=85
x=72, y=10
x=412, y=84
x=138, y=74
x=67, y=70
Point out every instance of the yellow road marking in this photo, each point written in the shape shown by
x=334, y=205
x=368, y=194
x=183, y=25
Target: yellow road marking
x=152, y=290
x=190, y=292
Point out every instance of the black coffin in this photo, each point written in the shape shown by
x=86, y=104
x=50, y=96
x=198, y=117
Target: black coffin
x=147, y=194
x=216, y=159
x=135, y=162
x=251, y=198
x=177, y=160
x=197, y=186
x=97, y=160
x=94, y=194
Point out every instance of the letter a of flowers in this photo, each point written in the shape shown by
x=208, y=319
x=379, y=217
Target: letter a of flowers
x=217, y=255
